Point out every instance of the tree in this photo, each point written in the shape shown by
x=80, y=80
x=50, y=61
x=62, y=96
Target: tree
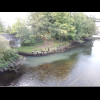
x=63, y=26
x=21, y=29
x=84, y=25
x=2, y=27
x=8, y=29
x=56, y=23
x=36, y=22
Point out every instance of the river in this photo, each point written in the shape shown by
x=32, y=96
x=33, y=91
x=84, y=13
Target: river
x=77, y=67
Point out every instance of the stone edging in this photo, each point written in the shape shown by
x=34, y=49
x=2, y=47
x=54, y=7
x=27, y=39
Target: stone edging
x=38, y=54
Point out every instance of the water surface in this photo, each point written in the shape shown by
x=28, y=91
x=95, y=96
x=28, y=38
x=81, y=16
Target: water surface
x=77, y=67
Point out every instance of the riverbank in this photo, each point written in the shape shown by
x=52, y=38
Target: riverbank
x=13, y=66
x=10, y=61
x=52, y=50
x=62, y=69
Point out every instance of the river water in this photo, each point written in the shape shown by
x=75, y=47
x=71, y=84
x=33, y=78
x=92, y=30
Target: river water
x=77, y=67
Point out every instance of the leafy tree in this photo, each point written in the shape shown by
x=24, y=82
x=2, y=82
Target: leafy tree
x=84, y=25
x=51, y=22
x=63, y=26
x=21, y=30
x=37, y=22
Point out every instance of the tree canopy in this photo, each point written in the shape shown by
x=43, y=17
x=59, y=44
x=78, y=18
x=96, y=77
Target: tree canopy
x=63, y=26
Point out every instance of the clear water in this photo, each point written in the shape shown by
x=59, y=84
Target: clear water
x=77, y=67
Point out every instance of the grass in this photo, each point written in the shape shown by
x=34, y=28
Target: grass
x=30, y=49
x=59, y=43
x=7, y=58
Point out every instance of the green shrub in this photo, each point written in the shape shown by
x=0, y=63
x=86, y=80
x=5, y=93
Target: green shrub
x=32, y=41
x=8, y=57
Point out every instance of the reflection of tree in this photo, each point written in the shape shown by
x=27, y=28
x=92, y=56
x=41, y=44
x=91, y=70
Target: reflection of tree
x=88, y=48
x=58, y=70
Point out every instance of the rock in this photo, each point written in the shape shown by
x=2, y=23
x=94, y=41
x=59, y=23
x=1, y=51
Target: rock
x=12, y=65
x=32, y=52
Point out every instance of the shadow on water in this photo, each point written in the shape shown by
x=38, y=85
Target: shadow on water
x=7, y=77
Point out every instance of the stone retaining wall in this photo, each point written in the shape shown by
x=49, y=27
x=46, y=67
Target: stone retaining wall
x=44, y=53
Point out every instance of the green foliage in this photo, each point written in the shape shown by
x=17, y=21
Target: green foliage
x=32, y=41
x=22, y=31
x=84, y=25
x=62, y=26
x=8, y=57
x=58, y=24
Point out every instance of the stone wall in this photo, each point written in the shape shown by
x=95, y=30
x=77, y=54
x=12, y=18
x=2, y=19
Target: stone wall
x=13, y=41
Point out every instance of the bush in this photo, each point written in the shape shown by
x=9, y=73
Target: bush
x=28, y=42
x=31, y=41
x=8, y=57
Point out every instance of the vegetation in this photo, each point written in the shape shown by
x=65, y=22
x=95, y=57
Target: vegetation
x=40, y=27
x=6, y=54
x=7, y=58
x=4, y=44
x=30, y=49
x=84, y=26
x=62, y=26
